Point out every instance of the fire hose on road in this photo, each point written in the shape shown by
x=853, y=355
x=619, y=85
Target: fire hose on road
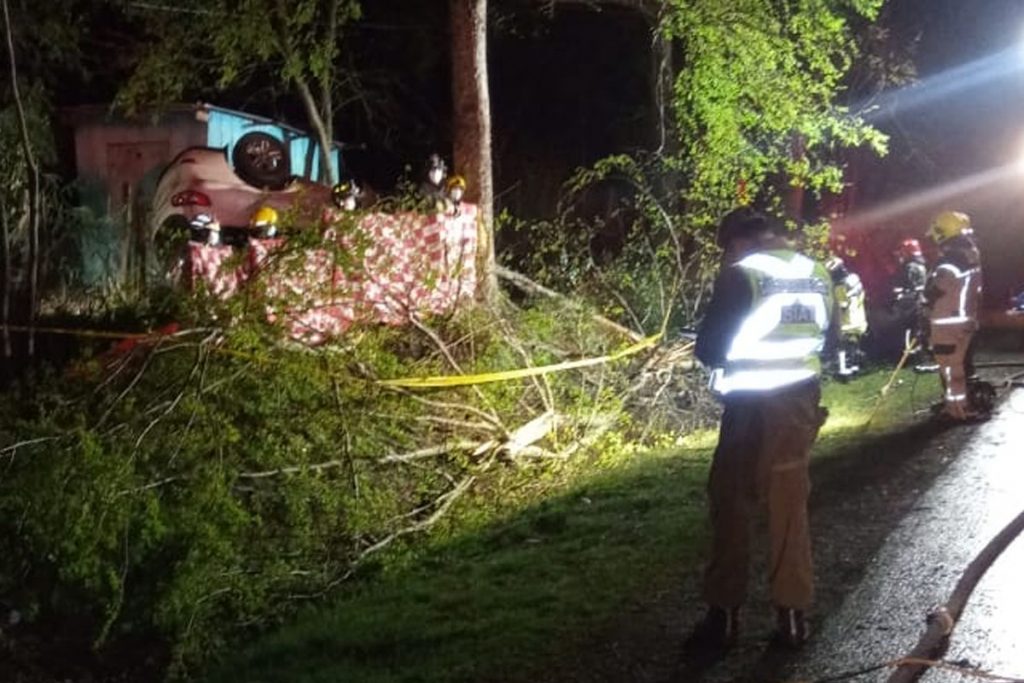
x=943, y=619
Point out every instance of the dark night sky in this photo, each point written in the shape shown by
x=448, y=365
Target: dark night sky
x=973, y=121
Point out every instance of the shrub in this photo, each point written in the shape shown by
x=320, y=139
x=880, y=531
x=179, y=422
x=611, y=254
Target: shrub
x=205, y=483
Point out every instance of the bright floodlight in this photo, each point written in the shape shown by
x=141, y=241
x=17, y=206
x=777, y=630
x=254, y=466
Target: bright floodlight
x=1018, y=165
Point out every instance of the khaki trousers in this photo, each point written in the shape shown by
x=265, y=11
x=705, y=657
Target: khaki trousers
x=762, y=458
x=950, y=344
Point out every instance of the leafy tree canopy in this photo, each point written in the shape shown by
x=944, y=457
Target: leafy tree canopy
x=755, y=97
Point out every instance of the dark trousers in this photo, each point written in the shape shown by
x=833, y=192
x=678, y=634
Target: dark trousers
x=762, y=458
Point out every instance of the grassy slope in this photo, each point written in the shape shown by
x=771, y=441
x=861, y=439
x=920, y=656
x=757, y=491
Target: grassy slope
x=500, y=599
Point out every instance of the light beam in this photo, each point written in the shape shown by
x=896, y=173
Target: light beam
x=930, y=197
x=944, y=84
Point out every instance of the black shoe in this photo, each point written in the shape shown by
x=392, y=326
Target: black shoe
x=715, y=633
x=791, y=632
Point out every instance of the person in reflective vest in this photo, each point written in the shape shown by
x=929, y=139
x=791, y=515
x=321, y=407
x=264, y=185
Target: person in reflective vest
x=853, y=319
x=953, y=297
x=771, y=316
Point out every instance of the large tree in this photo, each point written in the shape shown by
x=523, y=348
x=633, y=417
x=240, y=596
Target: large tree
x=197, y=43
x=472, y=122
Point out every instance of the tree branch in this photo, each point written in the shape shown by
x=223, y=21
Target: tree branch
x=530, y=287
x=33, y=185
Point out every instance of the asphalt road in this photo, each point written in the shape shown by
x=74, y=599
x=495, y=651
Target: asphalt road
x=921, y=560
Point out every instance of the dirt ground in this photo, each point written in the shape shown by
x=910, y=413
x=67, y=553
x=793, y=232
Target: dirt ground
x=858, y=497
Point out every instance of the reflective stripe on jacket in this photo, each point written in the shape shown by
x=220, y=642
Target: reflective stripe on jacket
x=958, y=295
x=778, y=342
x=853, y=315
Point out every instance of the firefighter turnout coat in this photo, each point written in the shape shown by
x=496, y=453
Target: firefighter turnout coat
x=954, y=299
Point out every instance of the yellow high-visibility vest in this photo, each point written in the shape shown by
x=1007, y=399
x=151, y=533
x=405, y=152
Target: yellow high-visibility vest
x=779, y=340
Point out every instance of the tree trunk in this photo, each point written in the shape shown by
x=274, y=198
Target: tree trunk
x=794, y=201
x=33, y=188
x=320, y=127
x=321, y=123
x=5, y=303
x=472, y=127
x=327, y=96
x=662, y=88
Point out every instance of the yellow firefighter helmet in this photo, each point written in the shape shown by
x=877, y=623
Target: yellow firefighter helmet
x=264, y=217
x=949, y=224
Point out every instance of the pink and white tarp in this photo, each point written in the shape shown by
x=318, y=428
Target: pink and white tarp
x=412, y=265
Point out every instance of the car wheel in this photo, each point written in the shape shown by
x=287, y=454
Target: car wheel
x=262, y=160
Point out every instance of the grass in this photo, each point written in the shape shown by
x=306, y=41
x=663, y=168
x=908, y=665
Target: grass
x=500, y=599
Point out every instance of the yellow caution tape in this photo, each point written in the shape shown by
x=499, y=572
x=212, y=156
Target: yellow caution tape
x=407, y=382
x=485, y=377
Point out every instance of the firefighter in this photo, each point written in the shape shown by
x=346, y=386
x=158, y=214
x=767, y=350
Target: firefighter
x=456, y=190
x=264, y=222
x=953, y=297
x=907, y=301
x=205, y=229
x=912, y=274
x=849, y=293
x=346, y=195
x=771, y=315
x=432, y=188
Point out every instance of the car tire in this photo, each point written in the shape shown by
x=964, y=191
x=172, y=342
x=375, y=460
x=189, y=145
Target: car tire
x=262, y=160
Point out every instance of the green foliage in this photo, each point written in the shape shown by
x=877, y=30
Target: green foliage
x=57, y=238
x=755, y=115
x=47, y=44
x=509, y=597
x=225, y=43
x=207, y=483
x=754, y=99
x=655, y=274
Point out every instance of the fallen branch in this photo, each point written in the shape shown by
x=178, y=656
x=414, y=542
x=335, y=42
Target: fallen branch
x=540, y=383
x=529, y=433
x=445, y=503
x=445, y=405
x=943, y=619
x=443, y=348
x=449, y=422
x=387, y=459
x=530, y=287
x=150, y=486
x=27, y=442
